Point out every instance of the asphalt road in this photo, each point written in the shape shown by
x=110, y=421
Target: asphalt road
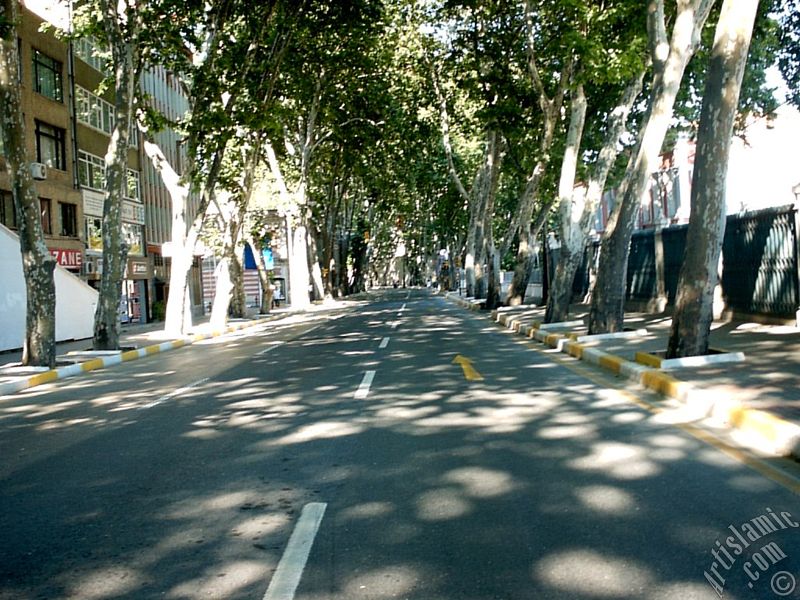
x=509, y=474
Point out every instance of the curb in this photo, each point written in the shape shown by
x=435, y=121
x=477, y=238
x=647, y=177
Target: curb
x=468, y=302
x=778, y=435
x=12, y=387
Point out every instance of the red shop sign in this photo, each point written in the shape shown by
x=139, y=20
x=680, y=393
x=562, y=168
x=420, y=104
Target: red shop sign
x=70, y=259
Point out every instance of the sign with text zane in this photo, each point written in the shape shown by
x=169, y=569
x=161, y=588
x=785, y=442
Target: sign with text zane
x=69, y=259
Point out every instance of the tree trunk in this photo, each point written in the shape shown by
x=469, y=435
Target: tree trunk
x=521, y=226
x=115, y=250
x=492, y=255
x=359, y=250
x=178, y=316
x=522, y=268
x=39, y=345
x=298, y=268
x=473, y=268
x=317, y=288
x=608, y=300
x=574, y=242
x=691, y=323
x=263, y=276
x=222, y=293
x=297, y=231
x=238, y=307
x=571, y=205
x=229, y=277
x=480, y=260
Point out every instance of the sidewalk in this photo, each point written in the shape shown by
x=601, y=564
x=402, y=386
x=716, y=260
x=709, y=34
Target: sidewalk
x=759, y=397
x=136, y=341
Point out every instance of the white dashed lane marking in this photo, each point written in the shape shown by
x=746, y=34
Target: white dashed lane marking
x=363, y=389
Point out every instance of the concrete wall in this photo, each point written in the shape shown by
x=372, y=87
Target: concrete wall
x=75, y=300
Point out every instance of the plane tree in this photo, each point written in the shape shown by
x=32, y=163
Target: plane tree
x=319, y=100
x=670, y=52
x=789, y=53
x=610, y=45
x=691, y=322
x=118, y=29
x=226, y=57
x=476, y=65
x=39, y=345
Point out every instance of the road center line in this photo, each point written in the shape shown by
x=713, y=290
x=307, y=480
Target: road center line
x=384, y=343
x=174, y=393
x=290, y=568
x=363, y=389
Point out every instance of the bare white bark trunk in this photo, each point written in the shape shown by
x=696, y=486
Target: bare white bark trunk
x=691, y=323
x=178, y=316
x=571, y=207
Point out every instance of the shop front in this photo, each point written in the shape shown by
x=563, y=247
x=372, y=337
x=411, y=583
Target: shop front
x=134, y=297
x=135, y=293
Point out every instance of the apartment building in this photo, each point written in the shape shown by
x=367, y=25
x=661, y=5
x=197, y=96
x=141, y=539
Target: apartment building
x=51, y=138
x=68, y=127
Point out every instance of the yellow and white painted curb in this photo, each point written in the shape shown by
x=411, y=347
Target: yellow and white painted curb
x=774, y=434
x=468, y=302
x=11, y=387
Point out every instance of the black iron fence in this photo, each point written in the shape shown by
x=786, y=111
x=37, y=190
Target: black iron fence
x=759, y=272
x=759, y=263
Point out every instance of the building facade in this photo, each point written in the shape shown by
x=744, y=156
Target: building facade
x=51, y=134
x=68, y=127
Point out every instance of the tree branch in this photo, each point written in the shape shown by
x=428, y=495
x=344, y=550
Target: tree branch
x=445, y=127
x=533, y=70
x=275, y=168
x=657, y=34
x=701, y=11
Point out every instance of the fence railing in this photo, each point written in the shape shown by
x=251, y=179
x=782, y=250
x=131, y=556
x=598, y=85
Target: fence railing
x=759, y=263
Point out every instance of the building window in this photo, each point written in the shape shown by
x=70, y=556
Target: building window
x=51, y=146
x=94, y=234
x=133, y=192
x=69, y=219
x=92, y=174
x=95, y=112
x=47, y=76
x=44, y=205
x=87, y=52
x=133, y=235
x=91, y=171
x=8, y=215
